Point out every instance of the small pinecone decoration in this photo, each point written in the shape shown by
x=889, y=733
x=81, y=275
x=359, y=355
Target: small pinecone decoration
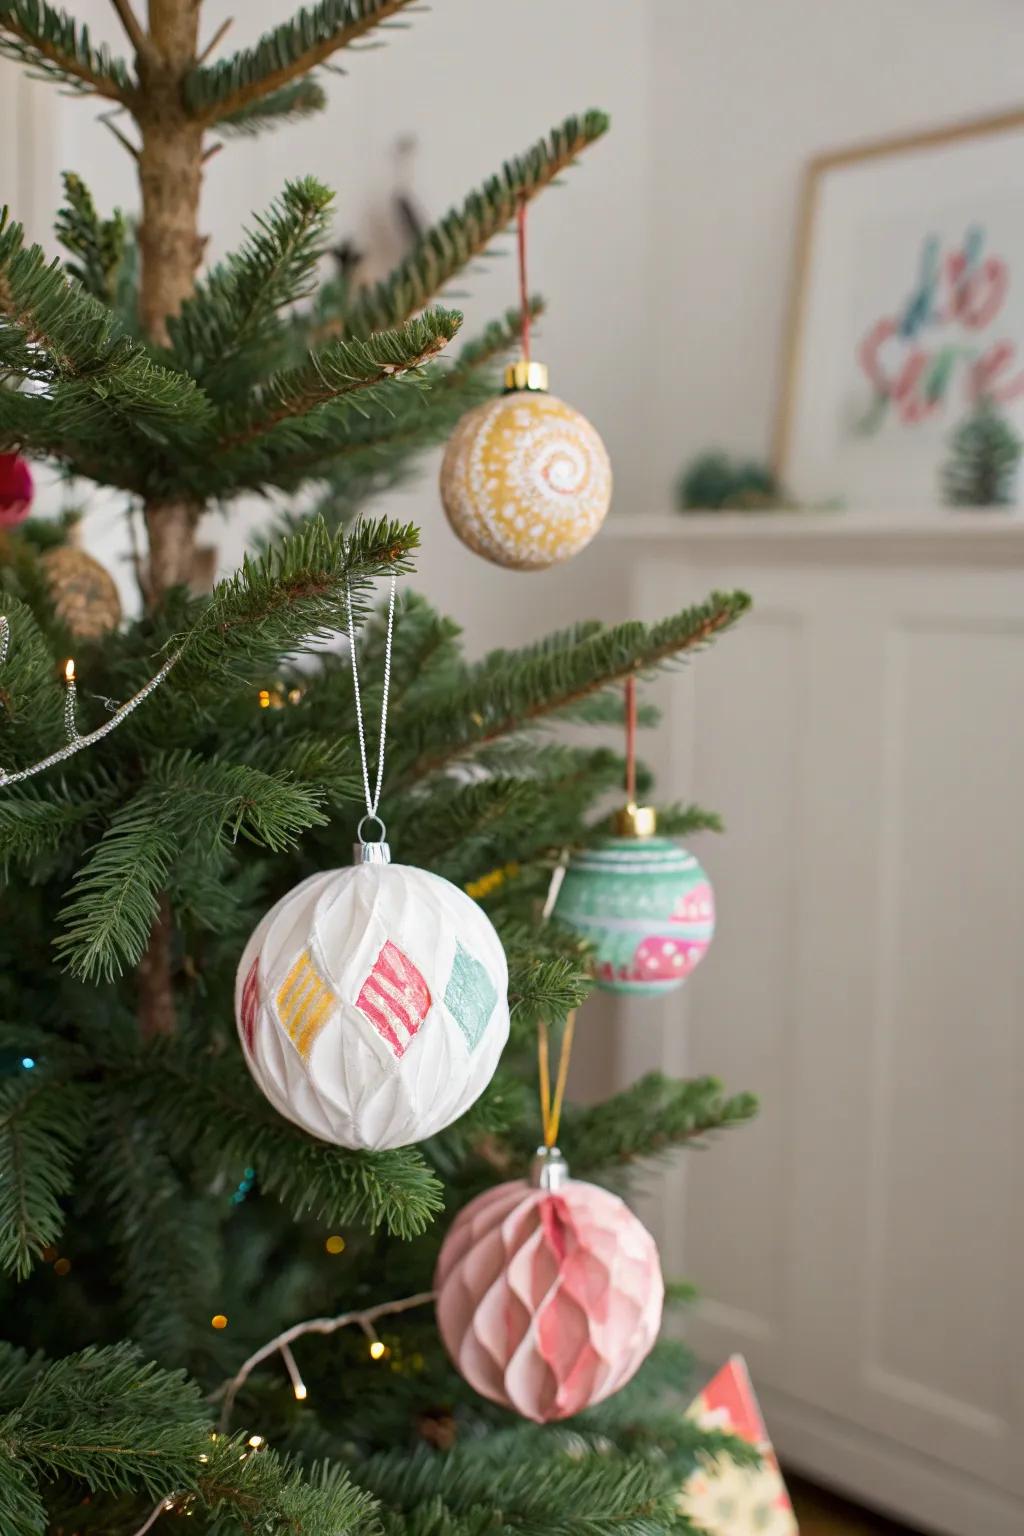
x=984, y=454
x=84, y=594
x=438, y=1428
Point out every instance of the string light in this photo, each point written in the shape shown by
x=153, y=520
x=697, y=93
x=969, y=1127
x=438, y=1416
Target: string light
x=75, y=742
x=70, y=701
x=245, y=1185
x=298, y=1385
x=378, y=1349
x=280, y=1343
x=335, y=1243
x=256, y=1441
x=62, y=1267
x=218, y=1321
x=28, y=1062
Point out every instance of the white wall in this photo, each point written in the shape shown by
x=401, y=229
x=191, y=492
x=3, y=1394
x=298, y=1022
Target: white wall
x=744, y=94
x=476, y=82
x=665, y=256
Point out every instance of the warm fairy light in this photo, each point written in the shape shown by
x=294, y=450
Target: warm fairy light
x=256, y=1441
x=299, y=1388
x=62, y=1267
x=69, y=670
x=335, y=1243
x=377, y=1349
x=219, y=1321
x=264, y=698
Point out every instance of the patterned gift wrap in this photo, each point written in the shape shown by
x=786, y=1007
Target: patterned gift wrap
x=646, y=906
x=720, y=1497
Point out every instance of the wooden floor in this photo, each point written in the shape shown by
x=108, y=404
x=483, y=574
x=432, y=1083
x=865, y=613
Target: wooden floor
x=824, y=1514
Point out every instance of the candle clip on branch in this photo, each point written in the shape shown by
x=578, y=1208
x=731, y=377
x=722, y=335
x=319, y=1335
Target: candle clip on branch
x=76, y=742
x=282, y=1342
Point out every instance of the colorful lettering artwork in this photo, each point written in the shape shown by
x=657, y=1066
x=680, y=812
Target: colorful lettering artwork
x=943, y=344
x=909, y=312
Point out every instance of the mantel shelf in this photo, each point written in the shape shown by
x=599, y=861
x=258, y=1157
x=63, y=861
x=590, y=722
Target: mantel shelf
x=939, y=536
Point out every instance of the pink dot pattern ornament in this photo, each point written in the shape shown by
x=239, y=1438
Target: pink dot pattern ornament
x=548, y=1300
x=16, y=490
x=647, y=908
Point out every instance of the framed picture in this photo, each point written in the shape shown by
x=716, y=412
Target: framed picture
x=908, y=307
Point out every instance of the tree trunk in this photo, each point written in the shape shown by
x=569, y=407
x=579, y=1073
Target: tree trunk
x=170, y=250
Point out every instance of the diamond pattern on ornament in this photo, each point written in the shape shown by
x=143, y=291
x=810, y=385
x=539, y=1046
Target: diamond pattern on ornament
x=395, y=998
x=470, y=996
x=304, y=1003
x=251, y=1003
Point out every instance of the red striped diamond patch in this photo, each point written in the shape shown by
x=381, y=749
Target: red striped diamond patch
x=251, y=1002
x=395, y=998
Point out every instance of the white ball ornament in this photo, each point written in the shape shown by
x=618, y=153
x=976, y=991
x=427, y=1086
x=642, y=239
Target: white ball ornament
x=525, y=481
x=372, y=1003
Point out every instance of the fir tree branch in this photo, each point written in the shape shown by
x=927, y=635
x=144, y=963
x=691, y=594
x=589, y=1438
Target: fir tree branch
x=98, y=244
x=166, y=1236
x=650, y=1118
x=217, y=1115
x=104, y=401
x=115, y=892
x=34, y=824
x=134, y=32
x=514, y=690
x=128, y=1429
x=35, y=33
x=339, y=370
x=548, y=1491
x=295, y=593
x=374, y=450
x=292, y=103
x=233, y=311
x=43, y=1124
x=224, y=89
x=462, y=235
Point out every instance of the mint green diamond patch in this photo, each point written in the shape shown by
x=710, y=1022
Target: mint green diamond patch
x=470, y=996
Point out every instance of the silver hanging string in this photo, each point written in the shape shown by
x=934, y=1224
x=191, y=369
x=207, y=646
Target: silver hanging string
x=372, y=800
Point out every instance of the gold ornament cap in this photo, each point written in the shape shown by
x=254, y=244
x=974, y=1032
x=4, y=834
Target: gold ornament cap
x=636, y=820
x=524, y=375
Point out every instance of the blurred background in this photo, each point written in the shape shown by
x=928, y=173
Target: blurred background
x=846, y=348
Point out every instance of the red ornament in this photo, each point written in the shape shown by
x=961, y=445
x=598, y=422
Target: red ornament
x=16, y=490
x=548, y=1298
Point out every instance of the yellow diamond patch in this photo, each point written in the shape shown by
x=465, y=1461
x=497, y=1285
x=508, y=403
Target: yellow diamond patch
x=304, y=1003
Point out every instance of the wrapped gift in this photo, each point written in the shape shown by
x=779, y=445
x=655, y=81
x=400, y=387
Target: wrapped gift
x=721, y=1497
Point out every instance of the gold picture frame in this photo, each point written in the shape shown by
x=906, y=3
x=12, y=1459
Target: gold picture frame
x=814, y=178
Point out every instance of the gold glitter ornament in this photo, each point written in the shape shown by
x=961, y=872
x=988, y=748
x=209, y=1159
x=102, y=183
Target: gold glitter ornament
x=84, y=594
x=525, y=481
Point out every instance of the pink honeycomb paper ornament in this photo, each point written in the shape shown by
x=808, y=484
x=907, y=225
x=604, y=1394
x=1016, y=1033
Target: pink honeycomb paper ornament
x=549, y=1299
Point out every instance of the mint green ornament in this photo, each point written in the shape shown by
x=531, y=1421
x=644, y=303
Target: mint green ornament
x=646, y=906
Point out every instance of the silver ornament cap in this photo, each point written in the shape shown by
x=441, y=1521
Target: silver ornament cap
x=549, y=1170
x=371, y=853
x=378, y=852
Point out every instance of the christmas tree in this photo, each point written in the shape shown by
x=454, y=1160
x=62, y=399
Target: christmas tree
x=984, y=455
x=161, y=1224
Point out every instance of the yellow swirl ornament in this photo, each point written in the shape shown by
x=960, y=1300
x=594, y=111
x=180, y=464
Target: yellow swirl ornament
x=525, y=480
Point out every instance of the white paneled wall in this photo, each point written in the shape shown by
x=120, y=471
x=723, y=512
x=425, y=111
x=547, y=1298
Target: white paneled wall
x=863, y=1242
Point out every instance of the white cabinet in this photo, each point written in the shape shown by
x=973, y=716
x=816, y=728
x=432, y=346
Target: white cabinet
x=862, y=1243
